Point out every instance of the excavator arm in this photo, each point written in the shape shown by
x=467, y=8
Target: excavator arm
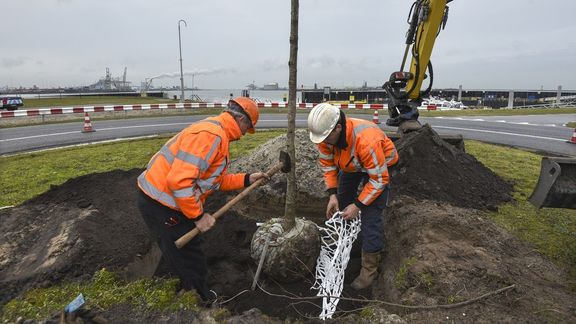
x=556, y=186
x=426, y=19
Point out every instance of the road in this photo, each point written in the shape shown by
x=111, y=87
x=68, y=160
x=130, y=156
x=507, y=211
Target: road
x=543, y=133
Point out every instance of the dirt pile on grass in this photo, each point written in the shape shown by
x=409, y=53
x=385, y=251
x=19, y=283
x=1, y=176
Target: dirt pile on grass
x=435, y=252
x=438, y=254
x=72, y=230
x=430, y=168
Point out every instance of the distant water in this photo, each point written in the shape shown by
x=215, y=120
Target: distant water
x=223, y=95
x=214, y=95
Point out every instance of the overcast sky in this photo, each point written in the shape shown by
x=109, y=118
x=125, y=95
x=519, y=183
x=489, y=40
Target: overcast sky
x=487, y=44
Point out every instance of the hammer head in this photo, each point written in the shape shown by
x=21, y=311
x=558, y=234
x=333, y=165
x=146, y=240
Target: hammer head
x=286, y=162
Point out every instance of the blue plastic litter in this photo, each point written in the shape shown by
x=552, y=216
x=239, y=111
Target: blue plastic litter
x=75, y=304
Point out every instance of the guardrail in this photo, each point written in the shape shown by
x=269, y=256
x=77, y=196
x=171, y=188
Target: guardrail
x=550, y=105
x=186, y=105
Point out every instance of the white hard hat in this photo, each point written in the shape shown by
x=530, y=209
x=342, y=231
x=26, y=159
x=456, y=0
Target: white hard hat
x=321, y=121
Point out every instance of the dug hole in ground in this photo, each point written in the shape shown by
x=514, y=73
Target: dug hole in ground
x=438, y=247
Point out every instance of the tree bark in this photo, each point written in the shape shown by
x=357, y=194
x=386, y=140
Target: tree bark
x=292, y=187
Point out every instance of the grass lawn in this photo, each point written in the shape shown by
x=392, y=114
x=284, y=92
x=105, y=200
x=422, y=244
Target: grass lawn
x=27, y=175
x=91, y=101
x=551, y=231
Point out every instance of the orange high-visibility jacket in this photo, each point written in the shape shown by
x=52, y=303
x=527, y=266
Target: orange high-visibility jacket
x=192, y=164
x=369, y=150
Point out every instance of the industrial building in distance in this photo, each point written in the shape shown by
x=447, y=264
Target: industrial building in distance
x=494, y=98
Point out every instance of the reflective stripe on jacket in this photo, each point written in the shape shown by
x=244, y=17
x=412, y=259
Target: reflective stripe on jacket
x=192, y=164
x=369, y=150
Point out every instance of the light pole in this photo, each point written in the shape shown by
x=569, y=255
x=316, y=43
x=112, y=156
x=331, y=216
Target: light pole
x=181, y=72
x=192, y=91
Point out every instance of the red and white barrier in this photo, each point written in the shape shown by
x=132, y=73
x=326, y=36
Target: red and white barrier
x=82, y=110
x=573, y=139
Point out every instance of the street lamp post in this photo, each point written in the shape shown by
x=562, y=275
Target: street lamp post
x=181, y=72
x=192, y=91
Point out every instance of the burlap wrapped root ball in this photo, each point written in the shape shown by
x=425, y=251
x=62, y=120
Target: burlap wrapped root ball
x=291, y=253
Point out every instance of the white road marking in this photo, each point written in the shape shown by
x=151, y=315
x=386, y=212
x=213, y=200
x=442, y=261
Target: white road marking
x=83, y=144
x=278, y=121
x=97, y=129
x=36, y=136
x=502, y=133
x=497, y=121
x=124, y=127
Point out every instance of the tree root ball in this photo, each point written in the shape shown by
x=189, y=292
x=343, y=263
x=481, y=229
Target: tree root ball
x=291, y=254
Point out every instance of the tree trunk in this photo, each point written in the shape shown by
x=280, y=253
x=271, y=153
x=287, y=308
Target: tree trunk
x=292, y=188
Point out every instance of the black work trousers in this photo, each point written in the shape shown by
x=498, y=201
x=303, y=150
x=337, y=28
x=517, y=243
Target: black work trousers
x=167, y=225
x=371, y=229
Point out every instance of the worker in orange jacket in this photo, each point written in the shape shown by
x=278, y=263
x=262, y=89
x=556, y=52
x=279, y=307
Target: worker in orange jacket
x=353, y=152
x=179, y=178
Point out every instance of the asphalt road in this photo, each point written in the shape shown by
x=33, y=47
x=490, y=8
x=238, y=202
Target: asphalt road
x=543, y=133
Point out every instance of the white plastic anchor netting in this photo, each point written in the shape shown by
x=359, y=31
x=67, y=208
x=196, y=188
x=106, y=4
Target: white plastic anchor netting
x=337, y=238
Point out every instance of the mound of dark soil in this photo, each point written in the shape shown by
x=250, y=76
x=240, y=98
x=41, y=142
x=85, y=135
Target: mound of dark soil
x=430, y=168
x=72, y=230
x=440, y=254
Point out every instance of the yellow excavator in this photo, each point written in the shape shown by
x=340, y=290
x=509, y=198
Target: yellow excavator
x=556, y=186
x=426, y=19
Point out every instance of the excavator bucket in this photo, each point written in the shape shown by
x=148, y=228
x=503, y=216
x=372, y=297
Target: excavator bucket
x=556, y=186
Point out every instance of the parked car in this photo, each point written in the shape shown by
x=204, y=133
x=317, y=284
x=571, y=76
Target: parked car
x=441, y=104
x=11, y=102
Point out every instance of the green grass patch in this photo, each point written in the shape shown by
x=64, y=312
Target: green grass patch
x=105, y=289
x=368, y=313
x=571, y=124
x=426, y=280
x=91, y=101
x=27, y=175
x=401, y=277
x=552, y=231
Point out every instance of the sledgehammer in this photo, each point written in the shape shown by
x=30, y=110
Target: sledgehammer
x=284, y=165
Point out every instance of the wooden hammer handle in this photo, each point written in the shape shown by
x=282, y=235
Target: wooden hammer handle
x=191, y=234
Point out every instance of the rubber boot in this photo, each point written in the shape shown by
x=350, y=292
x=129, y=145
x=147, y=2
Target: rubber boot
x=370, y=262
